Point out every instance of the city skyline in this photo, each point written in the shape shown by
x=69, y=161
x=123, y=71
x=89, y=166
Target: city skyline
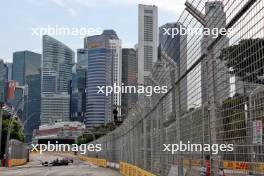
x=132, y=87
x=86, y=15
x=56, y=68
x=58, y=59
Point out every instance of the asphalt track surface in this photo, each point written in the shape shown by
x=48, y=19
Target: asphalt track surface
x=78, y=168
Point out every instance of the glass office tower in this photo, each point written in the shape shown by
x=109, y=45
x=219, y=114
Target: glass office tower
x=129, y=77
x=104, y=69
x=78, y=92
x=3, y=80
x=26, y=70
x=57, y=65
x=98, y=106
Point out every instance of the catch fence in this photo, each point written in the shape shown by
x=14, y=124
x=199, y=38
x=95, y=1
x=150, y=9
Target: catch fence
x=215, y=97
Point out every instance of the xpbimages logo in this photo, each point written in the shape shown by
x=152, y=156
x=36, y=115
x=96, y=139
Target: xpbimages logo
x=214, y=32
x=56, y=30
x=189, y=147
x=83, y=148
x=147, y=90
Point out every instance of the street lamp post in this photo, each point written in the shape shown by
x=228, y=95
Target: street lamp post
x=7, y=153
x=9, y=131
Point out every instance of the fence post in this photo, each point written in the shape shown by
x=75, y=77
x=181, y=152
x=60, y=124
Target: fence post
x=212, y=109
x=162, y=136
x=177, y=121
x=145, y=142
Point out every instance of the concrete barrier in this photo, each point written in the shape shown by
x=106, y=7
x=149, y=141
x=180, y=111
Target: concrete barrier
x=95, y=161
x=16, y=162
x=127, y=169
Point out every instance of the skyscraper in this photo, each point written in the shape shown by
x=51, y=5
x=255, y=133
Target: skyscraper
x=174, y=51
x=9, y=72
x=82, y=57
x=25, y=63
x=78, y=85
x=78, y=93
x=57, y=58
x=3, y=80
x=57, y=65
x=215, y=17
x=147, y=40
x=55, y=107
x=98, y=106
x=104, y=69
x=129, y=77
x=26, y=71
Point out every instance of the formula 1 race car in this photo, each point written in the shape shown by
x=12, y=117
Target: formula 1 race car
x=58, y=162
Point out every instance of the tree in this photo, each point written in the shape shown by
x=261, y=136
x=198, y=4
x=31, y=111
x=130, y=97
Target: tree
x=84, y=139
x=246, y=60
x=98, y=132
x=16, y=131
x=234, y=129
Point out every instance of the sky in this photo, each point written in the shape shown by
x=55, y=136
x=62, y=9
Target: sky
x=18, y=18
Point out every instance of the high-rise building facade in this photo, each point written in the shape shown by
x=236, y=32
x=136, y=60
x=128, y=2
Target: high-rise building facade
x=25, y=63
x=58, y=59
x=174, y=51
x=147, y=40
x=57, y=65
x=82, y=57
x=55, y=107
x=78, y=86
x=49, y=81
x=104, y=69
x=9, y=72
x=98, y=106
x=215, y=17
x=3, y=80
x=78, y=92
x=26, y=71
x=129, y=77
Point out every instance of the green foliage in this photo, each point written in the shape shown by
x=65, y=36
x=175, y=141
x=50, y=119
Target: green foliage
x=86, y=138
x=105, y=128
x=97, y=131
x=246, y=60
x=234, y=122
x=16, y=131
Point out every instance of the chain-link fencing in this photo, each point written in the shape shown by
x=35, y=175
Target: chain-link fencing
x=215, y=96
